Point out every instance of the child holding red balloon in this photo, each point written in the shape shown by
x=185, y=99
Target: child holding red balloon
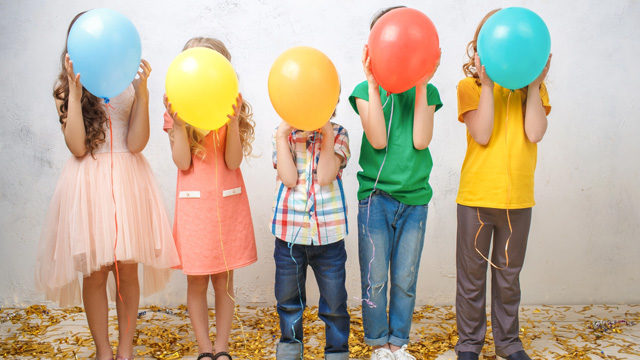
x=213, y=229
x=310, y=224
x=394, y=191
x=495, y=199
x=107, y=213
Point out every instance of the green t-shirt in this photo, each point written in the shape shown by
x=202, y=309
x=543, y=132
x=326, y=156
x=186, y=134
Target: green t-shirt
x=405, y=175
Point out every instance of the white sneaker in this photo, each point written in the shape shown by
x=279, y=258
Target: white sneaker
x=382, y=354
x=403, y=354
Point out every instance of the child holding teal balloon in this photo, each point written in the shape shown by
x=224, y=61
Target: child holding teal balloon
x=393, y=201
x=212, y=227
x=107, y=213
x=495, y=199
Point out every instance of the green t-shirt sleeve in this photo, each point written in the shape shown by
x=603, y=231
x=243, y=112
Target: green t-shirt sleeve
x=361, y=91
x=433, y=96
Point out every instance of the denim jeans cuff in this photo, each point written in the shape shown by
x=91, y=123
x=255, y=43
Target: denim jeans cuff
x=288, y=351
x=397, y=341
x=337, y=356
x=376, y=342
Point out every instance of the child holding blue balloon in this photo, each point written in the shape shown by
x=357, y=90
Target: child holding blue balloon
x=107, y=213
x=495, y=199
x=212, y=227
x=393, y=199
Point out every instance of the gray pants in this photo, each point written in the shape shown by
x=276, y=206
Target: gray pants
x=471, y=282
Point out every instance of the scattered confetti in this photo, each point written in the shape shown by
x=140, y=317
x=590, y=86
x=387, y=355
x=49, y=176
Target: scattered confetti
x=166, y=333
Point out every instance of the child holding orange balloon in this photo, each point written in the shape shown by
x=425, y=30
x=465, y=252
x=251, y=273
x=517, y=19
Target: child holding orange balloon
x=495, y=199
x=107, y=213
x=310, y=224
x=213, y=229
x=394, y=187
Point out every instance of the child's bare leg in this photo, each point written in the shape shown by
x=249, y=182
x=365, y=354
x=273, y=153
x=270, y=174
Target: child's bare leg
x=198, y=310
x=96, y=306
x=225, y=305
x=127, y=309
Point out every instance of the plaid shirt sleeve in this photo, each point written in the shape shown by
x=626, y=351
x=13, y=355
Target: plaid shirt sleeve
x=341, y=144
x=274, y=154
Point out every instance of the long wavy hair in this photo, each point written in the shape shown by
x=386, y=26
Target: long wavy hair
x=469, y=68
x=93, y=114
x=245, y=118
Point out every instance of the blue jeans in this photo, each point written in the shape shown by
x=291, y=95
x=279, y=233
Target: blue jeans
x=397, y=231
x=328, y=264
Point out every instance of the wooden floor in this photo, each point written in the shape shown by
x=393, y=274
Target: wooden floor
x=548, y=332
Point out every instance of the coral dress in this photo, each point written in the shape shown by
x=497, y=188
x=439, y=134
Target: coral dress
x=212, y=225
x=79, y=234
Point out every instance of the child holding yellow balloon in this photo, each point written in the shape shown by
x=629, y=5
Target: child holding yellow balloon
x=213, y=229
x=394, y=193
x=310, y=216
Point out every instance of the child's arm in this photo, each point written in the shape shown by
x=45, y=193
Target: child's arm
x=287, y=171
x=139, y=119
x=180, y=148
x=423, y=115
x=73, y=129
x=480, y=121
x=535, y=119
x=233, y=150
x=329, y=162
x=371, y=113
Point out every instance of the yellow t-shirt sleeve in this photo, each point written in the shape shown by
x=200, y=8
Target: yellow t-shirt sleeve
x=468, y=96
x=544, y=96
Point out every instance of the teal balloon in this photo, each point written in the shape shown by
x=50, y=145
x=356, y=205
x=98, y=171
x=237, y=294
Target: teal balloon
x=104, y=46
x=514, y=46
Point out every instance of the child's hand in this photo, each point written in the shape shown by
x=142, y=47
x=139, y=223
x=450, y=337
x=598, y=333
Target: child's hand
x=284, y=130
x=236, y=109
x=174, y=114
x=485, y=80
x=435, y=68
x=366, y=64
x=140, y=83
x=75, y=87
x=327, y=129
x=543, y=74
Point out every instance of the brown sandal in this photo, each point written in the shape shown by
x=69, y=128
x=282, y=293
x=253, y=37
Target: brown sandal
x=208, y=355
x=222, y=353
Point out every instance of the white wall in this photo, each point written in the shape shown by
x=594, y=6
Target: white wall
x=585, y=237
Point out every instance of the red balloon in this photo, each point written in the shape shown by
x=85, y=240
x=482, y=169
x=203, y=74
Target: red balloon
x=404, y=49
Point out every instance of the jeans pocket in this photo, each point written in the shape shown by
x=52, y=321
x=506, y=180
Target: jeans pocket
x=364, y=202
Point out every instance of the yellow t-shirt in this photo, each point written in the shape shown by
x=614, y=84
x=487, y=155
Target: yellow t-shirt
x=499, y=174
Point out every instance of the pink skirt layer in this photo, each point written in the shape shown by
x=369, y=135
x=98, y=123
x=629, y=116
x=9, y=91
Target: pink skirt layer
x=79, y=234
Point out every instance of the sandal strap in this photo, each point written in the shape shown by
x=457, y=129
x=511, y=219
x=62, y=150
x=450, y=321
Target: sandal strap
x=209, y=355
x=222, y=353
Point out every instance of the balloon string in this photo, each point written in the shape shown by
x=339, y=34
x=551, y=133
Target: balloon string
x=506, y=247
x=115, y=210
x=224, y=257
x=367, y=299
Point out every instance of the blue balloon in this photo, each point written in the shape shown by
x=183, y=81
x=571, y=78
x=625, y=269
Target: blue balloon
x=514, y=46
x=104, y=46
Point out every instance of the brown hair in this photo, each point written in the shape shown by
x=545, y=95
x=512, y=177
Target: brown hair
x=245, y=118
x=381, y=12
x=472, y=48
x=93, y=114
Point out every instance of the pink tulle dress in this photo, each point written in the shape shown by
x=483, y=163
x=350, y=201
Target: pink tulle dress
x=79, y=233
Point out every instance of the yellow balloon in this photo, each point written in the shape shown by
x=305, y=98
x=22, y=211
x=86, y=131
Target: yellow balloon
x=202, y=87
x=304, y=87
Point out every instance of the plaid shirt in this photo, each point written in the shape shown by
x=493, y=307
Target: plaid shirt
x=310, y=214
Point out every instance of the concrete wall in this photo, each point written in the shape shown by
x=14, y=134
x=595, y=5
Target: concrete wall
x=585, y=237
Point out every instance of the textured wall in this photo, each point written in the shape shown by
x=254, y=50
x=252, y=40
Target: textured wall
x=583, y=245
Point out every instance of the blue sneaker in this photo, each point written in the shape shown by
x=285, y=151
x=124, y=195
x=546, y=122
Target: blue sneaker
x=519, y=355
x=467, y=355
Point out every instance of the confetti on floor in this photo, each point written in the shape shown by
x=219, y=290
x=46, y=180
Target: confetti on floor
x=547, y=332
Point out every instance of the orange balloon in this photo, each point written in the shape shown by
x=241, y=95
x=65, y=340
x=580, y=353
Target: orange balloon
x=304, y=87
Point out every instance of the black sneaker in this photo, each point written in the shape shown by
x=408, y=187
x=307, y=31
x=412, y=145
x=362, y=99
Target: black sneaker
x=467, y=355
x=519, y=355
